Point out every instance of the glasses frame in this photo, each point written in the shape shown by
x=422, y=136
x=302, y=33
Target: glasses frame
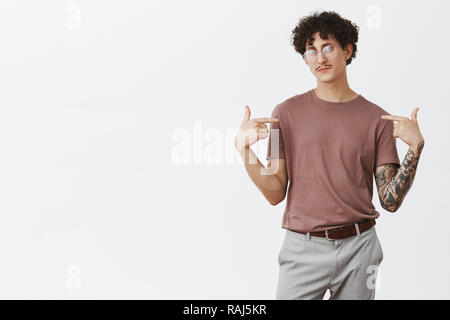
x=317, y=53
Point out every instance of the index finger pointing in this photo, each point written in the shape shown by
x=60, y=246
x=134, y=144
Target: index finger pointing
x=266, y=120
x=388, y=117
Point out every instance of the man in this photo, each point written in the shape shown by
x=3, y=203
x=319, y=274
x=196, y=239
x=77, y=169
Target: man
x=328, y=143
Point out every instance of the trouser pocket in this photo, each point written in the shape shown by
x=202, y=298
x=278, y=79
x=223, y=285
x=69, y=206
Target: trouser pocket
x=380, y=248
x=282, y=253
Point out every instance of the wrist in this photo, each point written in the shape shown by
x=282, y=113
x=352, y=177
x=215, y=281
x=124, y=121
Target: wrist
x=417, y=145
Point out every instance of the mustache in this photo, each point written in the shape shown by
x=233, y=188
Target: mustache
x=318, y=68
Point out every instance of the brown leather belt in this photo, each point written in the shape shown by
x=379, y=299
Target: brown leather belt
x=343, y=231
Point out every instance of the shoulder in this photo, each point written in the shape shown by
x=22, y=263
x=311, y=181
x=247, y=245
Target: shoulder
x=374, y=108
x=376, y=112
x=381, y=127
x=292, y=102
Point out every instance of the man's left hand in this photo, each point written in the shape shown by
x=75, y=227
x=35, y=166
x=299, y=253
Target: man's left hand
x=407, y=129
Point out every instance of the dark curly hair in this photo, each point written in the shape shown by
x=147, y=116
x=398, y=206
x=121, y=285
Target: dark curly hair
x=327, y=23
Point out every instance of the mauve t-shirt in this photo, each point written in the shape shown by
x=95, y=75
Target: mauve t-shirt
x=332, y=150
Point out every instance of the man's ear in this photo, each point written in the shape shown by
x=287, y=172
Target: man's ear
x=348, y=51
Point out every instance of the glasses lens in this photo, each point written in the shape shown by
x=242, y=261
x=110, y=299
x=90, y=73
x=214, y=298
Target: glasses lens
x=329, y=51
x=310, y=56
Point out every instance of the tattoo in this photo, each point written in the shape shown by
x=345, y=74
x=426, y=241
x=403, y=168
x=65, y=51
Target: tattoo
x=393, y=182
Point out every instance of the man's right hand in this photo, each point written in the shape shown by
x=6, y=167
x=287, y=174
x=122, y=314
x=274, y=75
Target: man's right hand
x=252, y=130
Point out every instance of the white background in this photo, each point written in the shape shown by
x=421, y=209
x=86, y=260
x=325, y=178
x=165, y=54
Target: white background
x=93, y=201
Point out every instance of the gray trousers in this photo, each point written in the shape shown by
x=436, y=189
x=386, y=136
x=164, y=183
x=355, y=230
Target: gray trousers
x=347, y=267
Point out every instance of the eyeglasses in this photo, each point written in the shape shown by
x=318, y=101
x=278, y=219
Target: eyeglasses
x=311, y=55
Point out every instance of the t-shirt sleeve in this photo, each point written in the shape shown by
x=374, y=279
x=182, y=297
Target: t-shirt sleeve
x=275, y=146
x=386, y=147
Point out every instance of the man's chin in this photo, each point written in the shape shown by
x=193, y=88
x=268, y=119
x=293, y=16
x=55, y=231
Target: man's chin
x=325, y=78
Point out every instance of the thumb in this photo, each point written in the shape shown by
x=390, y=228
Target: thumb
x=414, y=114
x=246, y=114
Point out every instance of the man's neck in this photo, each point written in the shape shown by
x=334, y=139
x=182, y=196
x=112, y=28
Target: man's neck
x=336, y=91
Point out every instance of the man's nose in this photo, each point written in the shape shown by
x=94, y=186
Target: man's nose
x=320, y=57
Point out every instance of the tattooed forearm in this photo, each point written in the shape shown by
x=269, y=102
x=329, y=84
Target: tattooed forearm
x=393, y=182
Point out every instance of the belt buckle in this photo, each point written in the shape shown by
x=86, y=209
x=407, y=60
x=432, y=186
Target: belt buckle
x=326, y=235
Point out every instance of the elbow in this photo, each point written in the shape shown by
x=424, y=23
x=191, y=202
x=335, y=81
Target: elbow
x=275, y=202
x=391, y=208
x=389, y=204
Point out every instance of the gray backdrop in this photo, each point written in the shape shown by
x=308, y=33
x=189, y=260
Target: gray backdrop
x=119, y=177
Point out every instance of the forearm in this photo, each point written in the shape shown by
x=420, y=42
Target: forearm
x=264, y=179
x=394, y=185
